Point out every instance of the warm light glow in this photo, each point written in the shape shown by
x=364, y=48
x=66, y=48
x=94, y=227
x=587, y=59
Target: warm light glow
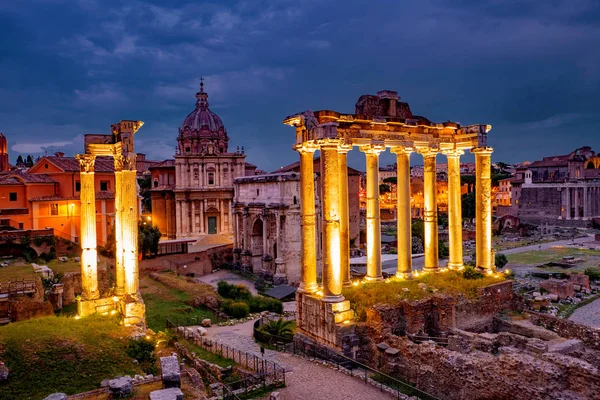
x=113, y=312
x=355, y=283
x=490, y=272
x=147, y=337
x=416, y=273
x=77, y=317
x=346, y=322
x=115, y=299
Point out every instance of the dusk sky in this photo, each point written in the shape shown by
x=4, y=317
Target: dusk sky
x=529, y=68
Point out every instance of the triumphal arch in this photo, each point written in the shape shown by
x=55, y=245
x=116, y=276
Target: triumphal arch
x=380, y=122
x=127, y=299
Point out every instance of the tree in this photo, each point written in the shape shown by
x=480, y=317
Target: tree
x=501, y=260
x=148, y=237
x=383, y=189
x=468, y=205
x=392, y=179
x=279, y=328
x=145, y=186
x=29, y=161
x=20, y=161
x=418, y=229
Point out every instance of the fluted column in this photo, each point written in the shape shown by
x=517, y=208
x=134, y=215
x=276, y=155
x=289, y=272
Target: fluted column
x=307, y=203
x=193, y=217
x=89, y=257
x=430, y=217
x=119, y=269
x=483, y=207
x=332, y=269
x=178, y=223
x=403, y=217
x=344, y=214
x=576, y=203
x=454, y=209
x=373, y=219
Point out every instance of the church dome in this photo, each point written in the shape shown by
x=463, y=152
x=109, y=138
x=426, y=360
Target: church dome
x=202, y=131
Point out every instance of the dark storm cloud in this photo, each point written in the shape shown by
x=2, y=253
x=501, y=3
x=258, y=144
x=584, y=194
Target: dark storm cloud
x=529, y=68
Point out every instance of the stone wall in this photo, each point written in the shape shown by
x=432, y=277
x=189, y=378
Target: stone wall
x=23, y=308
x=539, y=205
x=199, y=264
x=565, y=328
x=477, y=315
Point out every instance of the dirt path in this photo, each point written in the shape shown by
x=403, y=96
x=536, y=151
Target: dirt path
x=588, y=315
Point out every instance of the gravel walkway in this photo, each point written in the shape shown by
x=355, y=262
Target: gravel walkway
x=588, y=315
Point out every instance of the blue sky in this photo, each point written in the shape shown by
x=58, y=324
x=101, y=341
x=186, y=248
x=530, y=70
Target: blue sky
x=69, y=67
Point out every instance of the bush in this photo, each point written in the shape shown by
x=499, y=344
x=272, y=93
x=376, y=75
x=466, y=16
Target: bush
x=281, y=328
x=471, y=273
x=235, y=292
x=25, y=240
x=166, y=338
x=142, y=350
x=501, y=260
x=443, y=250
x=593, y=273
x=236, y=309
x=30, y=254
x=261, y=303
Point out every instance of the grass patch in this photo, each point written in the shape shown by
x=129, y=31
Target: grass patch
x=58, y=354
x=207, y=355
x=556, y=254
x=62, y=267
x=164, y=302
x=16, y=271
x=366, y=295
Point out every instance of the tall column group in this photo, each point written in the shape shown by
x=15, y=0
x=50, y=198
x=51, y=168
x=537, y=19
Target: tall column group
x=373, y=213
x=483, y=207
x=403, y=217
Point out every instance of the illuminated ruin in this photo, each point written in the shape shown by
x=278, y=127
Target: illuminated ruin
x=127, y=300
x=379, y=122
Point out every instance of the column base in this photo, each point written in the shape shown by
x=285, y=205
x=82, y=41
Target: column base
x=485, y=270
x=431, y=269
x=404, y=275
x=333, y=299
x=374, y=278
x=87, y=307
x=347, y=283
x=454, y=265
x=308, y=288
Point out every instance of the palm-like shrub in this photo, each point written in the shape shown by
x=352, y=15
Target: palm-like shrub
x=166, y=338
x=279, y=328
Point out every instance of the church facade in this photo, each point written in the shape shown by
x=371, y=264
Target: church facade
x=192, y=194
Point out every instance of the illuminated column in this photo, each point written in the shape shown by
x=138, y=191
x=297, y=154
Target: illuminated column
x=430, y=222
x=373, y=221
x=130, y=225
x=576, y=189
x=308, y=280
x=568, y=190
x=89, y=257
x=483, y=207
x=403, y=213
x=454, y=209
x=119, y=268
x=344, y=214
x=332, y=269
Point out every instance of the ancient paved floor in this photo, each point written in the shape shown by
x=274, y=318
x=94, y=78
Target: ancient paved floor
x=305, y=379
x=588, y=315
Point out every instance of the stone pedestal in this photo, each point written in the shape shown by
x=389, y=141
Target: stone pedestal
x=133, y=310
x=280, y=277
x=101, y=306
x=247, y=261
x=330, y=324
x=56, y=295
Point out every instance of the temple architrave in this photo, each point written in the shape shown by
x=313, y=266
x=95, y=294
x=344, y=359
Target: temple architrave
x=127, y=300
x=380, y=122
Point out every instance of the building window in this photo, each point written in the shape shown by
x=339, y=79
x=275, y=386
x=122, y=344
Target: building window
x=12, y=196
x=187, y=149
x=156, y=183
x=103, y=186
x=295, y=200
x=77, y=186
x=258, y=192
x=20, y=225
x=46, y=166
x=211, y=178
x=54, y=209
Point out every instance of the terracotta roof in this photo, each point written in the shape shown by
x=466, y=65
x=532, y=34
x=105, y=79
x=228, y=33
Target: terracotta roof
x=164, y=164
x=557, y=161
x=99, y=196
x=70, y=164
x=19, y=179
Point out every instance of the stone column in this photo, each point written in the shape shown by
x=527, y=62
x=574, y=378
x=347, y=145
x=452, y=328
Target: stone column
x=236, y=241
x=178, y=217
x=89, y=257
x=373, y=221
x=130, y=226
x=308, y=277
x=119, y=269
x=403, y=217
x=483, y=207
x=332, y=269
x=230, y=221
x=344, y=214
x=221, y=216
x=265, y=233
x=430, y=218
x=576, y=203
x=454, y=209
x=585, y=203
x=568, y=190
x=193, y=217
x=202, y=208
x=247, y=244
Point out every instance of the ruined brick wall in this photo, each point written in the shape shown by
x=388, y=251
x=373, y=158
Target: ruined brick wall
x=477, y=315
x=23, y=308
x=568, y=329
x=199, y=264
x=539, y=205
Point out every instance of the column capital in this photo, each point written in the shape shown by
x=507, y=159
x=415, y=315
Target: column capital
x=453, y=152
x=427, y=151
x=372, y=148
x=402, y=150
x=306, y=148
x=344, y=147
x=482, y=150
x=86, y=162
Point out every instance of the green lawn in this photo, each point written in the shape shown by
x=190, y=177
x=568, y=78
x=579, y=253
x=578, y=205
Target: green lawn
x=555, y=254
x=221, y=361
x=16, y=271
x=164, y=302
x=58, y=354
x=62, y=267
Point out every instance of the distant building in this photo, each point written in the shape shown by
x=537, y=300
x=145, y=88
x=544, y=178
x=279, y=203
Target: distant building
x=563, y=190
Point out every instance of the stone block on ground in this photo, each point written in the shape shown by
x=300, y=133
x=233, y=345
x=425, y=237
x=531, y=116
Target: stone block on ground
x=206, y=323
x=167, y=394
x=56, y=396
x=581, y=280
x=275, y=396
x=562, y=288
x=121, y=387
x=171, y=373
x=3, y=372
x=202, y=331
x=536, y=346
x=565, y=346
